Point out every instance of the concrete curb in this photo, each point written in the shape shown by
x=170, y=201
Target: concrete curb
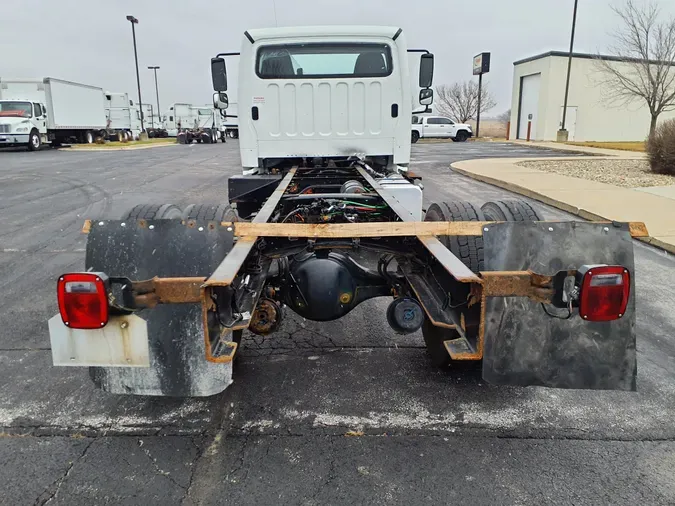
x=121, y=148
x=558, y=204
x=585, y=150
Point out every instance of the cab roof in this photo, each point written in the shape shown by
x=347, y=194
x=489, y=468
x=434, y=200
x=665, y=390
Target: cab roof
x=322, y=31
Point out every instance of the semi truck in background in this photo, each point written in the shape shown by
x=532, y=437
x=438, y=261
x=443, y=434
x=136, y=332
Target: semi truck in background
x=229, y=121
x=124, y=118
x=124, y=121
x=190, y=123
x=181, y=116
x=152, y=121
x=41, y=111
x=177, y=117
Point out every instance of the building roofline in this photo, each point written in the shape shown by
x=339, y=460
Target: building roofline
x=584, y=56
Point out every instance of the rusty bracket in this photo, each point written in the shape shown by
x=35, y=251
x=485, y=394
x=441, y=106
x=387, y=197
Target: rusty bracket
x=517, y=284
x=149, y=293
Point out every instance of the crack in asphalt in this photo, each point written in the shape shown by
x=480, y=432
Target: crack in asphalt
x=240, y=460
x=330, y=475
x=45, y=431
x=193, y=469
x=159, y=470
x=57, y=483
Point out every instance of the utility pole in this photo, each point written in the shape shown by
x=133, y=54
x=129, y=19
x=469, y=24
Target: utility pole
x=563, y=134
x=481, y=65
x=480, y=93
x=156, y=88
x=134, y=22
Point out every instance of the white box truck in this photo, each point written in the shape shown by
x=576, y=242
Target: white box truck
x=49, y=111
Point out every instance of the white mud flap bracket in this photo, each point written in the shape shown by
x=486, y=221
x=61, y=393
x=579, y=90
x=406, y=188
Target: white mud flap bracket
x=123, y=342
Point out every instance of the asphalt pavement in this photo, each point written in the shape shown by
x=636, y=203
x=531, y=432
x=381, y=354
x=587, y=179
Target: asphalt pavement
x=344, y=412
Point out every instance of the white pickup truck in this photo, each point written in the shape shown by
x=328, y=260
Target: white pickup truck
x=439, y=127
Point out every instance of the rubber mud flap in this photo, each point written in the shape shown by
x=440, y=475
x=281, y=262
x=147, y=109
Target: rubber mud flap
x=524, y=346
x=143, y=249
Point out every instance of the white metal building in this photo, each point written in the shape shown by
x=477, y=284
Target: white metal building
x=539, y=92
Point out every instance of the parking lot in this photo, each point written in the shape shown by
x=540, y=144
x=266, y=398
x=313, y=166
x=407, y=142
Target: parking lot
x=344, y=412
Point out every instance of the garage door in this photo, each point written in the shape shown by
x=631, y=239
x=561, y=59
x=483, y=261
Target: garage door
x=529, y=102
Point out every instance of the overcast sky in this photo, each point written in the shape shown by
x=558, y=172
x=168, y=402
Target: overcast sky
x=89, y=41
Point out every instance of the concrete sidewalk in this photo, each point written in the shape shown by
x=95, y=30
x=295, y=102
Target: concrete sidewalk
x=587, y=199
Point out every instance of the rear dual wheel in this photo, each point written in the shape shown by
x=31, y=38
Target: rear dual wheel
x=201, y=212
x=178, y=366
x=509, y=210
x=469, y=249
x=210, y=212
x=153, y=212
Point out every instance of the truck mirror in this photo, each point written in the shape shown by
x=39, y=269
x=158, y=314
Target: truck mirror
x=426, y=96
x=219, y=74
x=220, y=100
x=426, y=70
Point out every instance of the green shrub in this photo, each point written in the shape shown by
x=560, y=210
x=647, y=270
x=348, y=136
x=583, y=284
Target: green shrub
x=661, y=148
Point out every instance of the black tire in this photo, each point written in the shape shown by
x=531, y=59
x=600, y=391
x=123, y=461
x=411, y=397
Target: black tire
x=34, y=141
x=235, y=134
x=153, y=212
x=469, y=249
x=415, y=136
x=509, y=210
x=182, y=138
x=433, y=339
x=461, y=136
x=88, y=137
x=210, y=212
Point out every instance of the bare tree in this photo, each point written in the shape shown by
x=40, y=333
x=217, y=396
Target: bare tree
x=505, y=117
x=645, y=43
x=459, y=101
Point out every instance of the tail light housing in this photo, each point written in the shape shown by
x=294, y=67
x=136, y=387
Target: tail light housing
x=604, y=292
x=83, y=299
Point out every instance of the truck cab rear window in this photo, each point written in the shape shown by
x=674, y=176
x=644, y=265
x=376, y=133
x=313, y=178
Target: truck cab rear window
x=313, y=61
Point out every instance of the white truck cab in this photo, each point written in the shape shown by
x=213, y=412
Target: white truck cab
x=331, y=91
x=22, y=123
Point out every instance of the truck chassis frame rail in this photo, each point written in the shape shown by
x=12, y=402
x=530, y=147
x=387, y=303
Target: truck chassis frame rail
x=273, y=263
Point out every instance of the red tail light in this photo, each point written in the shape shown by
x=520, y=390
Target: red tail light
x=83, y=300
x=604, y=293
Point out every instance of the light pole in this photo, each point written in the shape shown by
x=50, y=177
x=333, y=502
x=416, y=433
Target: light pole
x=134, y=22
x=156, y=88
x=563, y=135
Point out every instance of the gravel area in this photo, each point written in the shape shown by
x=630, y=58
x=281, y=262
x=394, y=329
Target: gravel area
x=626, y=173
